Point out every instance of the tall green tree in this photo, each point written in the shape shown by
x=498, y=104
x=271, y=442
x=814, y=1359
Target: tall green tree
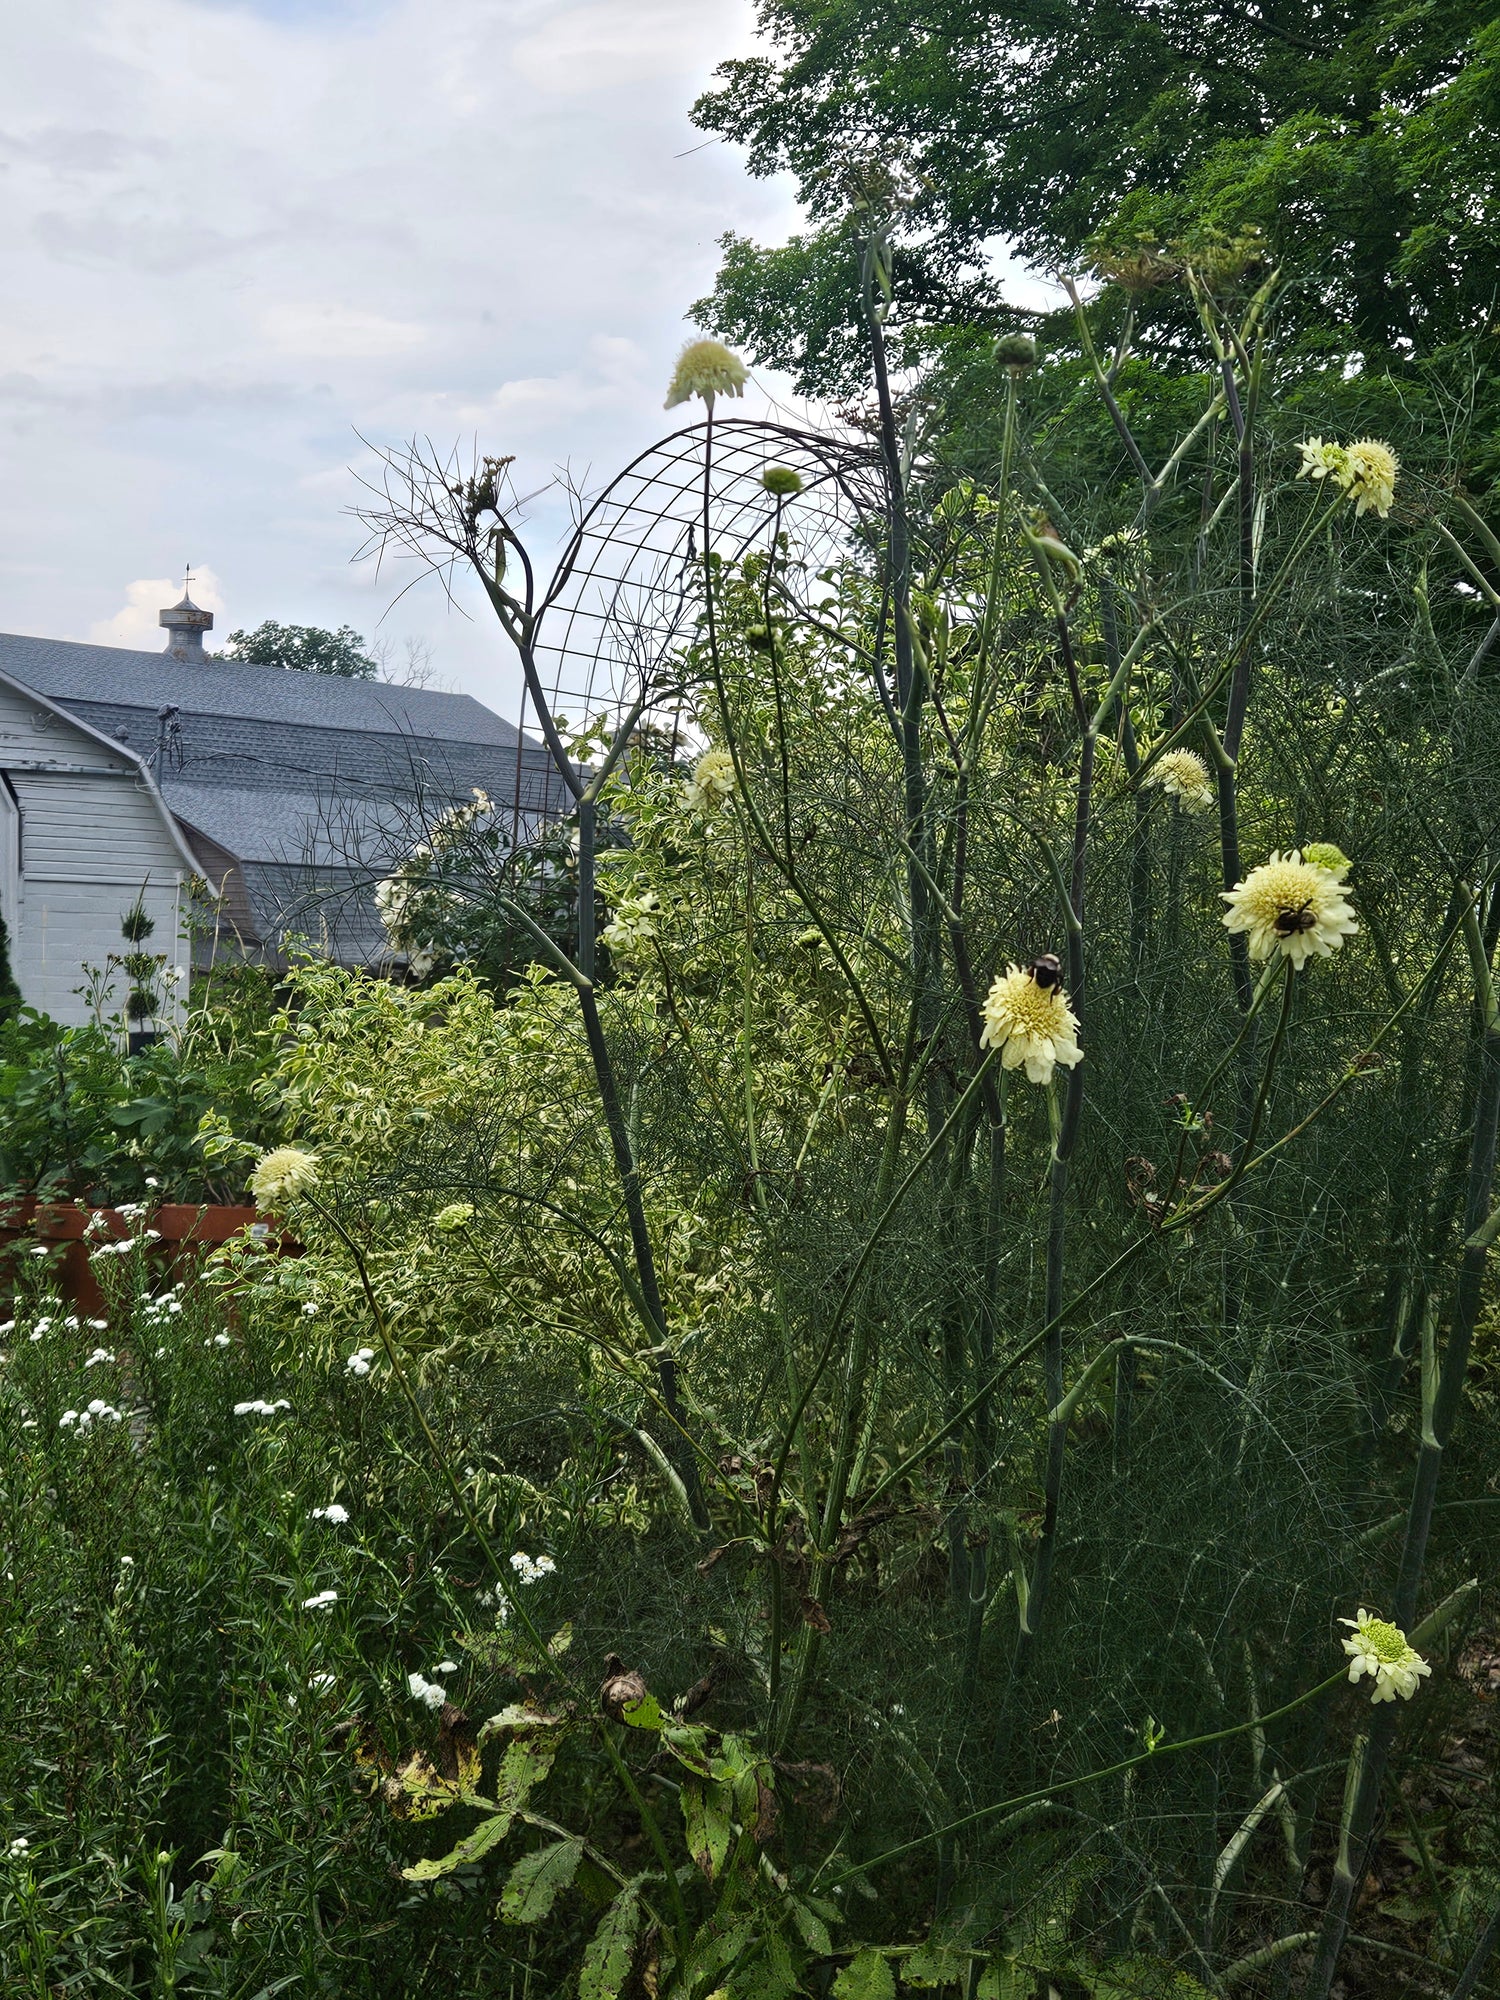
x=1361, y=138
x=308, y=648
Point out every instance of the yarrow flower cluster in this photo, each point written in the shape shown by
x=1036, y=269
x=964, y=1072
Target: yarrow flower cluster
x=706, y=368
x=712, y=782
x=82, y=1421
x=257, y=1407
x=432, y=1694
x=358, y=1363
x=320, y=1600
x=18, y=1848
x=531, y=1569
x=1366, y=471
x=457, y=1215
x=100, y=1358
x=333, y=1513
x=1183, y=775
x=1380, y=1650
x=282, y=1173
x=1293, y=905
x=1029, y=1021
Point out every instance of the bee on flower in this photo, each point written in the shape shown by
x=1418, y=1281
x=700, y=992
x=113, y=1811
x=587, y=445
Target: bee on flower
x=1380, y=1650
x=712, y=782
x=1026, y=1017
x=1293, y=906
x=1366, y=471
x=706, y=368
x=1183, y=775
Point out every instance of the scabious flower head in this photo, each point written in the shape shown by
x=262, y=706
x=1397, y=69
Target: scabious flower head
x=1290, y=906
x=706, y=368
x=1030, y=1023
x=1381, y=1650
x=1323, y=854
x=1323, y=461
x=632, y=926
x=712, y=782
x=1183, y=775
x=283, y=1172
x=457, y=1215
x=1371, y=471
x=781, y=481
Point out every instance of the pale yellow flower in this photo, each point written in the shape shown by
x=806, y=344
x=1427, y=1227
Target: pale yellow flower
x=712, y=782
x=706, y=368
x=1323, y=461
x=1291, y=906
x=1183, y=775
x=1381, y=1650
x=1031, y=1024
x=283, y=1172
x=1323, y=854
x=1371, y=473
x=633, y=925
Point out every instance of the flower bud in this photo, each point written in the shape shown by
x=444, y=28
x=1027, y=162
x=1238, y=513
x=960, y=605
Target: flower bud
x=1016, y=351
x=782, y=481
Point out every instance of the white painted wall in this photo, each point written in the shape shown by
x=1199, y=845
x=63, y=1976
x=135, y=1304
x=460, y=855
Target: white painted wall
x=91, y=839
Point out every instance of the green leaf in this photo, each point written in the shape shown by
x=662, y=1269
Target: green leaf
x=705, y=1819
x=473, y=1847
x=933, y=1965
x=770, y=1975
x=606, y=1963
x=868, y=1976
x=538, y=1879
x=813, y=1930
x=1003, y=1979
x=642, y=1714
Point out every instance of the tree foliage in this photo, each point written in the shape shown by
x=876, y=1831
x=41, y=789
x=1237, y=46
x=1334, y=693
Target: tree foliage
x=309, y=648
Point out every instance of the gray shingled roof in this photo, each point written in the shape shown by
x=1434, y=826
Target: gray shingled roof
x=263, y=823
x=67, y=671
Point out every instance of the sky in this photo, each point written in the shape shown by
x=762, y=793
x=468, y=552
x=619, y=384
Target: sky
x=241, y=234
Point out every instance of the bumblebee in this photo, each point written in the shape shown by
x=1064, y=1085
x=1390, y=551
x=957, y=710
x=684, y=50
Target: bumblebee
x=1047, y=971
x=1287, y=923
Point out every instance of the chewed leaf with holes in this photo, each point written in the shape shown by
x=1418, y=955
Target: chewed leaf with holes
x=706, y=1821
x=523, y=1767
x=538, y=1879
x=867, y=1976
x=611, y=1950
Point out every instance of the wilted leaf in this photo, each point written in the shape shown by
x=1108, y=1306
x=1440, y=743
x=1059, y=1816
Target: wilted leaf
x=538, y=1879
x=516, y=1717
x=606, y=1963
x=868, y=1976
x=473, y=1847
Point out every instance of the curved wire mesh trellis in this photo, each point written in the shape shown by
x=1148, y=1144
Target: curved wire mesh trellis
x=623, y=601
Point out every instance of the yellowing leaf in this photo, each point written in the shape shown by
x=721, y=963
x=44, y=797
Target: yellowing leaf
x=868, y=1976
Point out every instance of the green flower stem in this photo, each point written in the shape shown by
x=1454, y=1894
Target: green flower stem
x=1048, y=1792
x=1443, y=1386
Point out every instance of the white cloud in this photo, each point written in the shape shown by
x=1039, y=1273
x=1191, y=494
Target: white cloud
x=605, y=44
x=237, y=234
x=135, y=623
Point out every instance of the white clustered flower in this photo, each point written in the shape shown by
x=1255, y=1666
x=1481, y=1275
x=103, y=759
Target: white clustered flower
x=333, y=1512
x=531, y=1569
x=358, y=1363
x=283, y=1172
x=221, y=1340
x=256, y=1407
x=320, y=1600
x=712, y=783
x=446, y=1667
x=1183, y=775
x=1380, y=1649
x=1030, y=1023
x=133, y=1211
x=1293, y=906
x=309, y=1310
x=425, y=1691
x=18, y=1848
x=97, y=1225
x=100, y=1358
x=97, y=1412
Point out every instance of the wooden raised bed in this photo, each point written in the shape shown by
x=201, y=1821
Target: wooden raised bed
x=183, y=1231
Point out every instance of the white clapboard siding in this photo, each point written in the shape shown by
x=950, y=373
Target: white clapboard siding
x=92, y=839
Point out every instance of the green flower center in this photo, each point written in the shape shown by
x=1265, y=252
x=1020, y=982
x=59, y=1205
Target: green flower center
x=1387, y=1642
